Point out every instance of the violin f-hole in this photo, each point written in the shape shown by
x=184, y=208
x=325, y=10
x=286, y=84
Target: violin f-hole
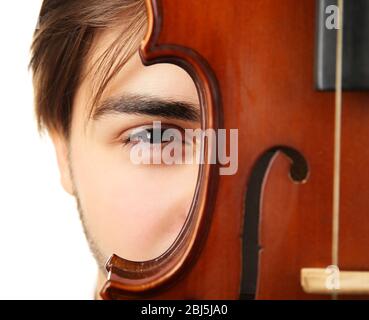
x=298, y=173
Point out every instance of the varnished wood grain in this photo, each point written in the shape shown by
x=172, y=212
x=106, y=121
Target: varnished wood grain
x=262, y=55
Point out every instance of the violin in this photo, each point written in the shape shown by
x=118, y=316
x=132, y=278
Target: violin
x=293, y=222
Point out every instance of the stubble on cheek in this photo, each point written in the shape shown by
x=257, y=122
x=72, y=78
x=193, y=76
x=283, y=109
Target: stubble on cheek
x=100, y=258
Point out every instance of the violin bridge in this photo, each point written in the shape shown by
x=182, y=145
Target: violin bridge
x=333, y=281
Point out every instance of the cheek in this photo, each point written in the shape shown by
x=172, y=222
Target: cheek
x=133, y=211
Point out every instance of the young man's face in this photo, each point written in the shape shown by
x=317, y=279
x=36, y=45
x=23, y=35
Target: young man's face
x=134, y=211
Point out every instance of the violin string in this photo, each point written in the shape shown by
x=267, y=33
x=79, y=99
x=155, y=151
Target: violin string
x=337, y=138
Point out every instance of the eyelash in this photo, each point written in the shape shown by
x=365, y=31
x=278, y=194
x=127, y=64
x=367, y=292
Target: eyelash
x=140, y=132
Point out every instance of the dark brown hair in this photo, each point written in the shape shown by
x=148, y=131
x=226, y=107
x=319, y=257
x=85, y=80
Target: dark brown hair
x=61, y=44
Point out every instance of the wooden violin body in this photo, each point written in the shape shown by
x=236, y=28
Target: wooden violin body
x=253, y=232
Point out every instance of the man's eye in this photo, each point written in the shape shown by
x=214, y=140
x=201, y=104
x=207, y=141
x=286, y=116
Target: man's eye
x=150, y=135
x=168, y=144
x=154, y=136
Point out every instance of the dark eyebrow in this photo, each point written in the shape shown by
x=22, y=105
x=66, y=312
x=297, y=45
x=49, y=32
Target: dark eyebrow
x=148, y=105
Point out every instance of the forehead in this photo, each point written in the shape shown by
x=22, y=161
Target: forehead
x=161, y=80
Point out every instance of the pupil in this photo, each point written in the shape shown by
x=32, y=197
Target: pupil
x=156, y=135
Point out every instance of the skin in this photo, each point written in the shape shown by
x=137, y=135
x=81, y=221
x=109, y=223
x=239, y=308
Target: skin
x=134, y=211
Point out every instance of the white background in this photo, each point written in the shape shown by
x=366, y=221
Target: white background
x=43, y=253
